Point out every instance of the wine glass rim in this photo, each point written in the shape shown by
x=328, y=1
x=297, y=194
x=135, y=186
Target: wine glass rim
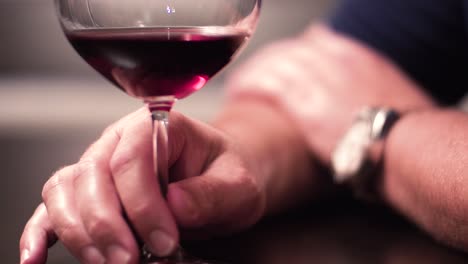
x=205, y=30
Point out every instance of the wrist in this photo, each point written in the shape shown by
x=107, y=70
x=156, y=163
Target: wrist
x=245, y=122
x=261, y=132
x=275, y=149
x=356, y=160
x=425, y=164
x=404, y=137
x=359, y=158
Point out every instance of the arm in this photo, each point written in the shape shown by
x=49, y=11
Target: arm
x=321, y=79
x=426, y=172
x=426, y=157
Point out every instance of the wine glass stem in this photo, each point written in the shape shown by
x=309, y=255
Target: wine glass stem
x=160, y=109
x=160, y=147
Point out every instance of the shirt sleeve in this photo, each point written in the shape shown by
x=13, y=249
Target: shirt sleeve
x=426, y=38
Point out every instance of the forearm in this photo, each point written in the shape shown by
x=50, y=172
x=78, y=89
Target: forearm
x=426, y=172
x=285, y=166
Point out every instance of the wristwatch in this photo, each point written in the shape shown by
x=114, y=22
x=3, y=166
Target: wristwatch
x=358, y=155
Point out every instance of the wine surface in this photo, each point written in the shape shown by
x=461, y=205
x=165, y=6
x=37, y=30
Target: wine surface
x=157, y=62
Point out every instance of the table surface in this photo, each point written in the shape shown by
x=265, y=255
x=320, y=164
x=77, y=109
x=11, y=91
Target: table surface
x=335, y=232
x=331, y=232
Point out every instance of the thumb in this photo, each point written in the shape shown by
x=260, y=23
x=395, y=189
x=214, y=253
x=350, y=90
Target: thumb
x=226, y=198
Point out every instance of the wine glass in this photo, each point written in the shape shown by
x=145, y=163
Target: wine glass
x=159, y=51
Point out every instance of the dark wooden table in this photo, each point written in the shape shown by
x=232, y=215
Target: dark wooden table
x=331, y=232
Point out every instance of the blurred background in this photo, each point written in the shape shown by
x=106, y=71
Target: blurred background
x=52, y=105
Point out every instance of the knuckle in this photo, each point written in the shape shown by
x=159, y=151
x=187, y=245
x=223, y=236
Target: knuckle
x=56, y=181
x=122, y=160
x=69, y=232
x=140, y=211
x=118, y=126
x=115, y=130
x=99, y=225
x=84, y=167
x=109, y=129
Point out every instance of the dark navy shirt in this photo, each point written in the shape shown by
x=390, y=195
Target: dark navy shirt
x=428, y=39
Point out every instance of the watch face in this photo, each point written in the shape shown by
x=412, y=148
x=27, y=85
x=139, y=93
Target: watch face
x=351, y=151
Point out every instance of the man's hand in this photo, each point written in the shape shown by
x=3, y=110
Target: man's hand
x=322, y=79
x=95, y=207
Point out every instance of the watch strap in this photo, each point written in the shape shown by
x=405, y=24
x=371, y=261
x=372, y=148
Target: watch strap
x=357, y=158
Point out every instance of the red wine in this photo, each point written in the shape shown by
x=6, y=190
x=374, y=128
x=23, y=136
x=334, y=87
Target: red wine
x=156, y=62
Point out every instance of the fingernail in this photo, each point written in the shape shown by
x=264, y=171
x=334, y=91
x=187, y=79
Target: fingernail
x=162, y=244
x=92, y=255
x=118, y=255
x=25, y=254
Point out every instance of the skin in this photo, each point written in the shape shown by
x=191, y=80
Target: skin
x=262, y=155
x=83, y=203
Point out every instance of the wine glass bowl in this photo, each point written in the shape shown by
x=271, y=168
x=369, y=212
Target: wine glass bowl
x=153, y=62
x=152, y=48
x=158, y=51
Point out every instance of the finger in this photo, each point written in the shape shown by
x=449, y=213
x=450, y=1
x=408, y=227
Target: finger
x=193, y=145
x=98, y=202
x=139, y=190
x=225, y=198
x=267, y=64
x=58, y=195
x=37, y=236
